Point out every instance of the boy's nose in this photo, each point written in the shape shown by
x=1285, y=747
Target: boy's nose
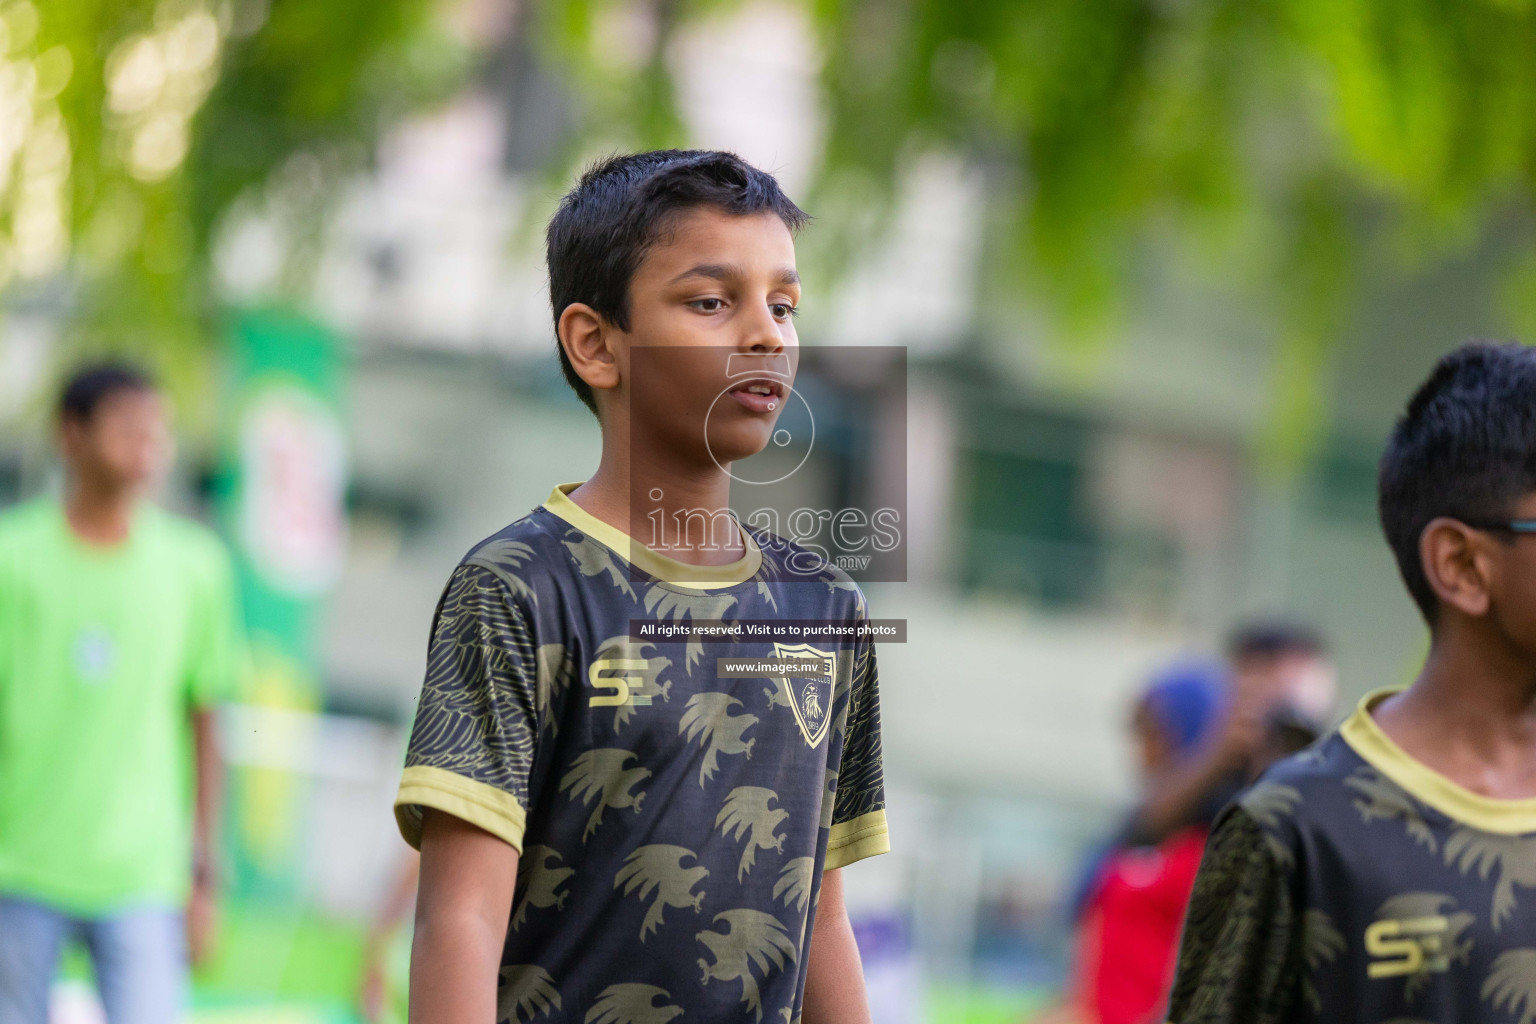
x=762, y=334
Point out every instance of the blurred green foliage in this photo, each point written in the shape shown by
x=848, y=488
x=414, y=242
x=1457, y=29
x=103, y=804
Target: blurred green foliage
x=1294, y=147
x=128, y=128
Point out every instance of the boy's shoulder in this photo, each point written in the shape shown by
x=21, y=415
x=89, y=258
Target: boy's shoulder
x=1323, y=764
x=198, y=544
x=526, y=553
x=1302, y=801
x=1294, y=789
x=1335, y=790
x=23, y=533
x=21, y=521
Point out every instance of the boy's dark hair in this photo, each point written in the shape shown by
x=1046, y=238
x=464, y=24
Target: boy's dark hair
x=90, y=384
x=622, y=206
x=1272, y=639
x=1465, y=448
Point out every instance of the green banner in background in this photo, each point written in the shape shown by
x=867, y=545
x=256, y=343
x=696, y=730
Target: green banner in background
x=284, y=511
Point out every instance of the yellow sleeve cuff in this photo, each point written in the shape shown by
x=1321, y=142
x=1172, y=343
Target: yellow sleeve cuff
x=483, y=806
x=851, y=841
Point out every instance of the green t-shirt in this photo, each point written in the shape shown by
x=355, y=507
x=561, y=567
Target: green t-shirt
x=103, y=655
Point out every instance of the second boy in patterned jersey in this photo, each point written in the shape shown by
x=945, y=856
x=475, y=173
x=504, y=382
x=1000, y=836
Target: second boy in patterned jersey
x=675, y=836
x=1387, y=875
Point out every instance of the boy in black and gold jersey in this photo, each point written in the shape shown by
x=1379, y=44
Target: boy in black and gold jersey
x=1387, y=875
x=613, y=830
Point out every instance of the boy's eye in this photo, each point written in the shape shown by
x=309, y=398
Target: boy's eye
x=782, y=310
x=710, y=305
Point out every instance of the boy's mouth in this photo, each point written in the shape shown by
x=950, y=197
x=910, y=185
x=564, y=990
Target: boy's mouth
x=760, y=395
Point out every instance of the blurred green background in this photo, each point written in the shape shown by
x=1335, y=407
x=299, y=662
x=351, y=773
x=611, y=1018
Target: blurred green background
x=1165, y=270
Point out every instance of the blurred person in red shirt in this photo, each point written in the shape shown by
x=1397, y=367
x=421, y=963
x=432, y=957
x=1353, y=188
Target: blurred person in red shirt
x=1203, y=732
x=1132, y=906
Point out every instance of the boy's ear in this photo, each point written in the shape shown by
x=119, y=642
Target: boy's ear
x=586, y=335
x=71, y=435
x=1458, y=564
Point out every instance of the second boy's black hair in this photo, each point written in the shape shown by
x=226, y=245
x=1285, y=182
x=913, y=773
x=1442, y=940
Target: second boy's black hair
x=1273, y=638
x=92, y=383
x=620, y=208
x=1465, y=448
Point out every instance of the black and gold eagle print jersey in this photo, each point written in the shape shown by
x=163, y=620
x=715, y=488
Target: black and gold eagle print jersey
x=673, y=823
x=1353, y=885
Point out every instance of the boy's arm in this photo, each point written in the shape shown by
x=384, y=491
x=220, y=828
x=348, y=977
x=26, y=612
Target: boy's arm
x=462, y=909
x=464, y=791
x=398, y=901
x=834, y=977
x=834, y=980
x=1241, y=958
x=209, y=775
x=217, y=660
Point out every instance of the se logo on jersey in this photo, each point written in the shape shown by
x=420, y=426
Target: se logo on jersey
x=1408, y=946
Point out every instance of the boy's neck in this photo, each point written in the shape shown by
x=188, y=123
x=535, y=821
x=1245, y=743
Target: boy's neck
x=98, y=513
x=1471, y=713
x=667, y=489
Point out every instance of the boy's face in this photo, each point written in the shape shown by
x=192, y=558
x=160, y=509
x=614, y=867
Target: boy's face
x=1512, y=582
x=1154, y=750
x=717, y=292
x=125, y=443
x=1302, y=681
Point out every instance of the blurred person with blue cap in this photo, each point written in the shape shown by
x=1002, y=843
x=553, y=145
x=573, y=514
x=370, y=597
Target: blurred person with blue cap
x=1280, y=698
x=1175, y=712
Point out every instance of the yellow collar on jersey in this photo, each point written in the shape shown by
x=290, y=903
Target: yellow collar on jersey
x=649, y=560
x=1504, y=817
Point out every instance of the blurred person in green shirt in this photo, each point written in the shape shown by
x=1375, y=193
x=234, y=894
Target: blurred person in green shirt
x=118, y=632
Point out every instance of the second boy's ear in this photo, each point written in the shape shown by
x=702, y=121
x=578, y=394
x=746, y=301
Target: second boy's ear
x=1457, y=563
x=587, y=336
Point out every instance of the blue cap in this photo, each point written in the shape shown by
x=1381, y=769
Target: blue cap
x=1184, y=700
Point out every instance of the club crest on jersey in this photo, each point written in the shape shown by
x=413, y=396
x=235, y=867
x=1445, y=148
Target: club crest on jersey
x=809, y=691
